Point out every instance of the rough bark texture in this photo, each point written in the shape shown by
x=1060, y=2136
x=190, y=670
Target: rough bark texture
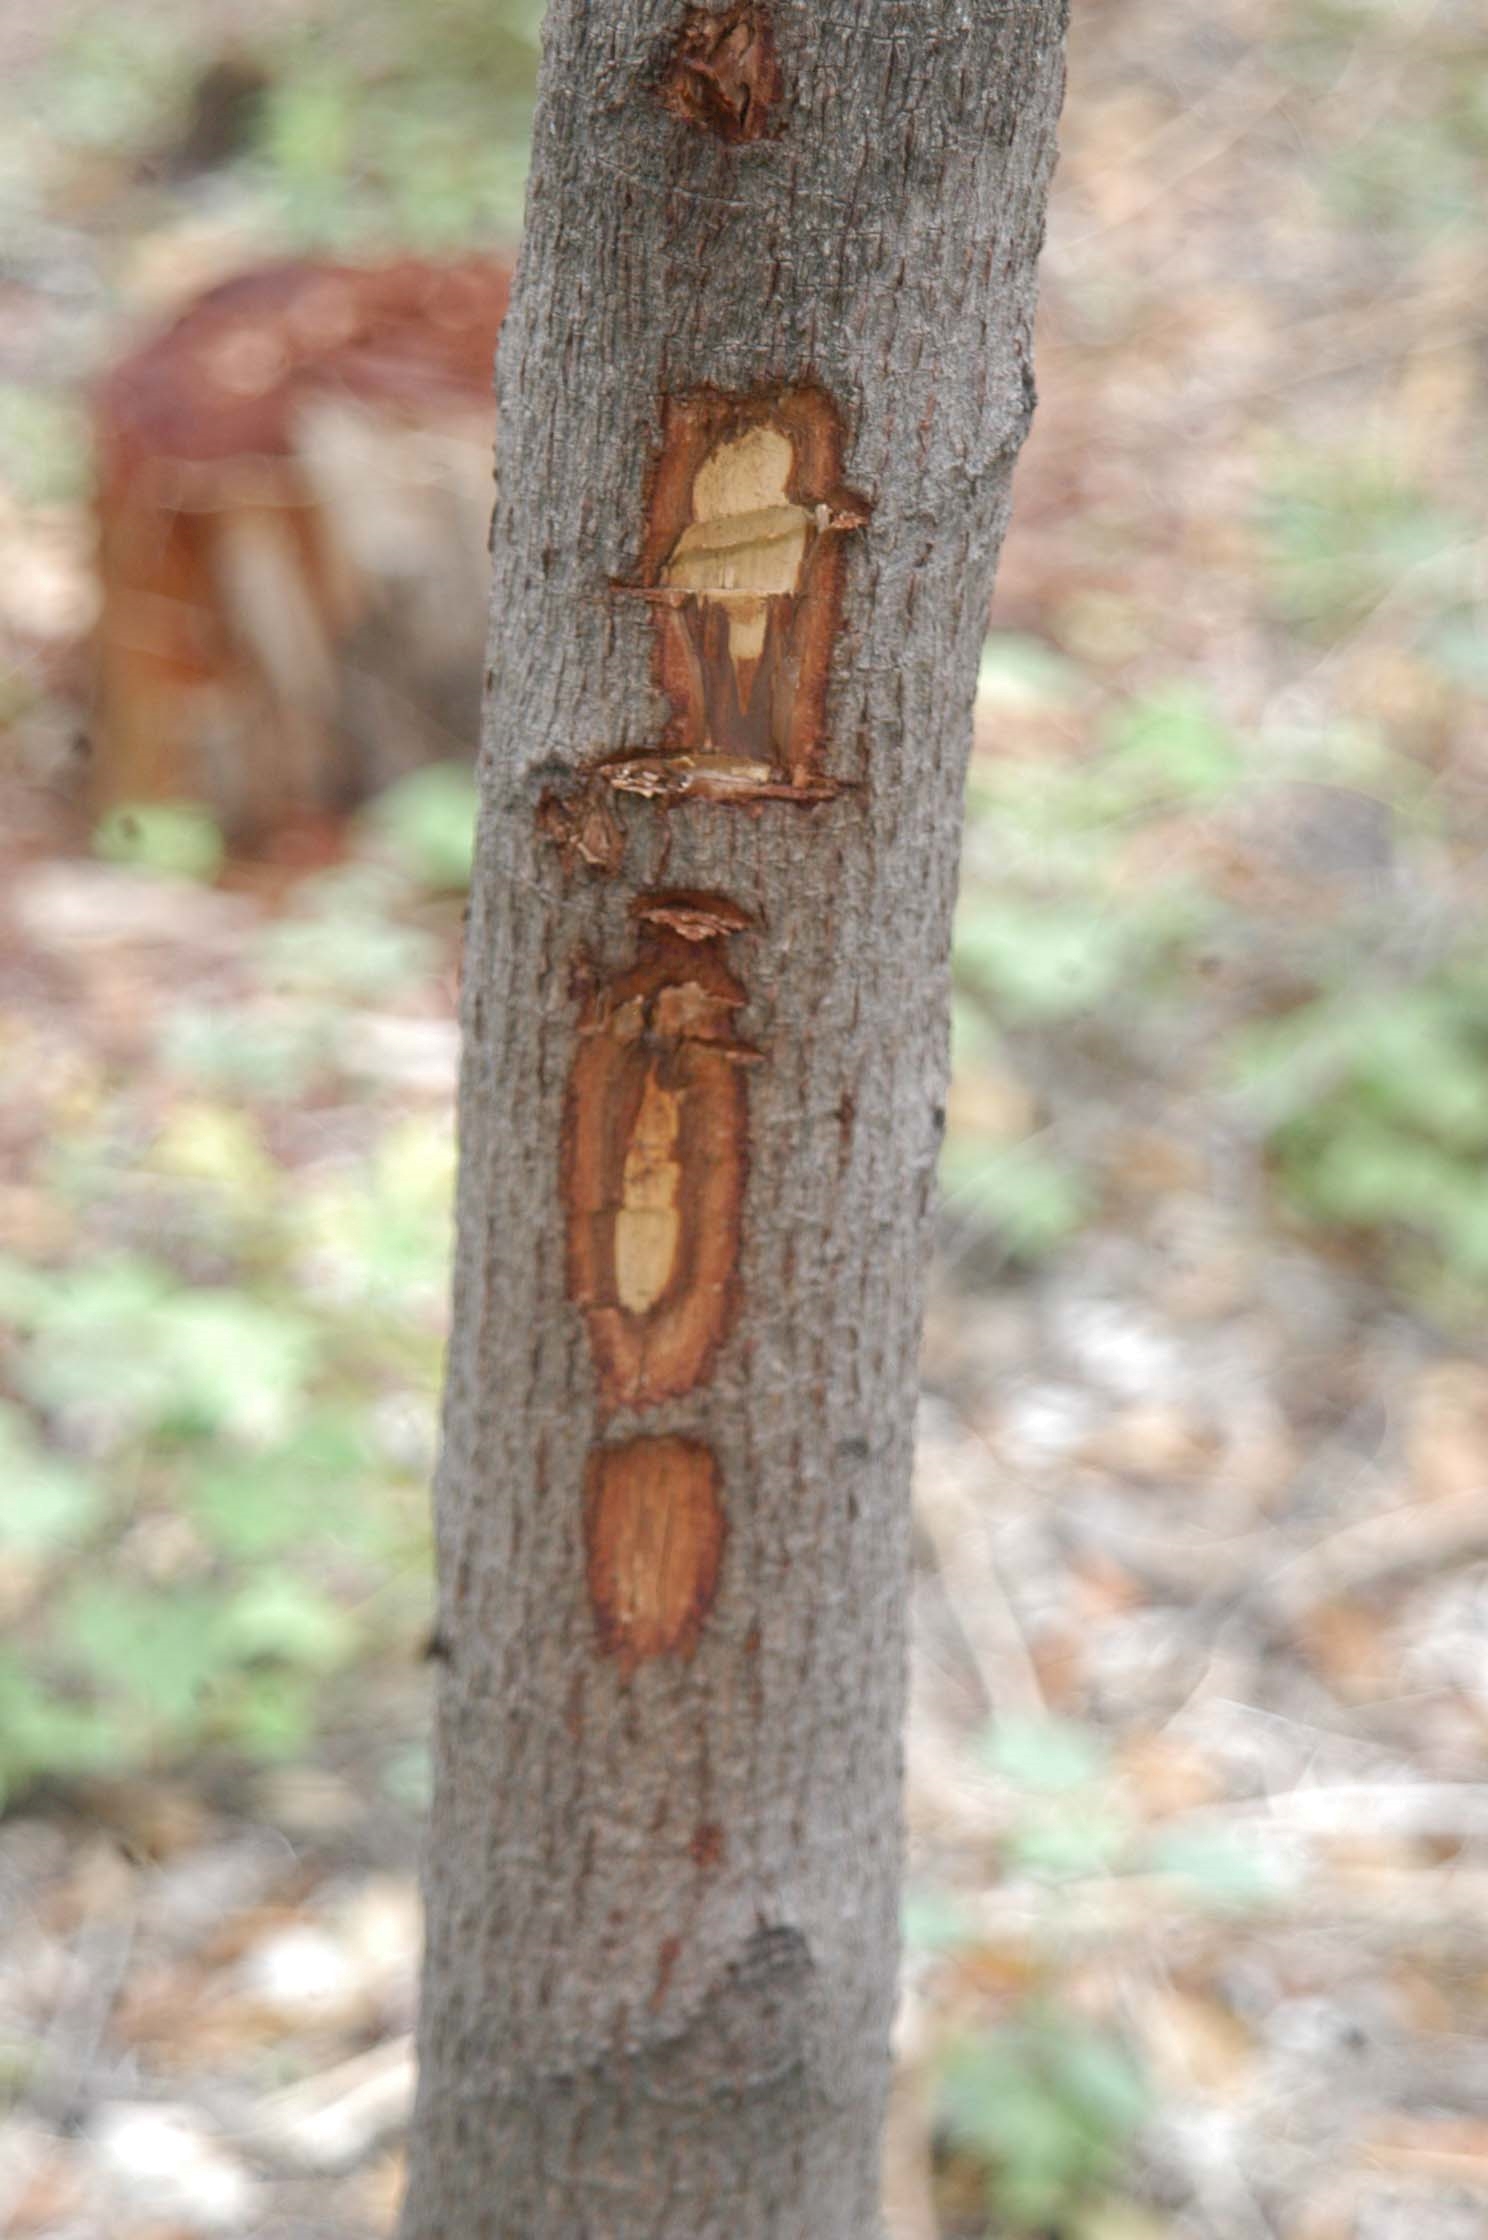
x=705, y=1053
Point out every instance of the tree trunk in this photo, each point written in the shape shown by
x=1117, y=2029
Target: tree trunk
x=761, y=388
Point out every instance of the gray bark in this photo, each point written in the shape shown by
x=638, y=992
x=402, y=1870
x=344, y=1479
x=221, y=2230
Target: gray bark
x=663, y=1893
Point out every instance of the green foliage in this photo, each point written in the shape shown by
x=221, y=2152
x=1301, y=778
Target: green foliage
x=400, y=124
x=1345, y=531
x=1016, y=672
x=345, y=940
x=1167, y=748
x=1052, y=1755
x=282, y=1618
x=1070, y=1820
x=1049, y=927
x=1228, y=1872
x=200, y=1562
x=1318, y=37
x=43, y=445
x=1411, y=177
x=1373, y=1100
x=1020, y=1190
x=379, y=123
x=305, y=144
x=1071, y=1816
x=271, y=1053
x=217, y=1448
x=1029, y=1197
x=51, y=1503
x=382, y=1235
x=170, y=839
x=163, y=1606
x=1363, y=1073
x=104, y=90
x=45, y=1735
x=1043, y=960
x=1046, y=2106
x=149, y=1656
x=1050, y=2105
x=251, y=1505
x=936, y=1921
x=120, y=1340
x=1054, y=935
x=426, y=825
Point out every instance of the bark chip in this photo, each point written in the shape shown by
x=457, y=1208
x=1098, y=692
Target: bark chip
x=696, y=917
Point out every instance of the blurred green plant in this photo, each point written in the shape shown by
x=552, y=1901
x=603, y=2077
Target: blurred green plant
x=108, y=88
x=1050, y=929
x=1025, y=1195
x=346, y=939
x=273, y=1052
x=1016, y=1187
x=176, y=839
x=1070, y=1816
x=203, y=1507
x=1360, y=1069
x=1412, y=178
x=217, y=1443
x=1373, y=1100
x=389, y=123
x=1049, y=2105
x=378, y=123
x=1054, y=935
x=425, y=826
x=1037, y=2112
x=1345, y=531
x=1318, y=36
x=43, y=445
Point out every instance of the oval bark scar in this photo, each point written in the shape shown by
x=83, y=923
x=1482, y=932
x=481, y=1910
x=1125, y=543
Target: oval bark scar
x=654, y=1530
x=655, y=1154
x=742, y=564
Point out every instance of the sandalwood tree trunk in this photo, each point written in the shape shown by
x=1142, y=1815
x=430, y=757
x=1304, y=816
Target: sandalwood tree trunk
x=761, y=388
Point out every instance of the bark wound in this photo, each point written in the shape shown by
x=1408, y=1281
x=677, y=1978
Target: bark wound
x=708, y=1844
x=653, y=1534
x=742, y=564
x=584, y=828
x=655, y=1153
x=724, y=74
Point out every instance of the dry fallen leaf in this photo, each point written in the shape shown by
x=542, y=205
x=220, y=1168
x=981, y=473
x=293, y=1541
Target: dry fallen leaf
x=1195, y=2045
x=1447, y=1442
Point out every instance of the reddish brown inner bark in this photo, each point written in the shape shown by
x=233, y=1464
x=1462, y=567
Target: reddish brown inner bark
x=724, y=74
x=655, y=1154
x=654, y=1530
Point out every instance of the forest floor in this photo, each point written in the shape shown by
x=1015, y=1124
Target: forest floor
x=1198, y=1759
